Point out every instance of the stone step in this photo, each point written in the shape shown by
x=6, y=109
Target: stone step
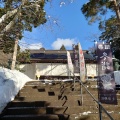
x=51, y=103
x=45, y=89
x=64, y=87
x=81, y=116
x=85, y=116
x=53, y=98
x=94, y=116
x=34, y=110
x=114, y=115
x=36, y=117
x=29, y=104
x=35, y=94
x=48, y=92
x=52, y=94
x=50, y=110
x=38, y=98
x=51, y=84
x=57, y=101
x=89, y=82
x=45, y=103
x=62, y=84
x=87, y=102
x=66, y=90
x=92, y=90
x=113, y=108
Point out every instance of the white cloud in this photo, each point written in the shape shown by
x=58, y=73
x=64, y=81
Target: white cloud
x=66, y=42
x=24, y=45
x=35, y=46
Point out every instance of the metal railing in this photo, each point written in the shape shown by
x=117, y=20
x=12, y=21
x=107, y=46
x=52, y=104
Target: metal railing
x=100, y=105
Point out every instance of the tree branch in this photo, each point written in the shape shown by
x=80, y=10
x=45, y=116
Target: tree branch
x=17, y=12
x=7, y=15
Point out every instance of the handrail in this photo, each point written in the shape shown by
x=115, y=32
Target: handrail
x=95, y=99
x=100, y=105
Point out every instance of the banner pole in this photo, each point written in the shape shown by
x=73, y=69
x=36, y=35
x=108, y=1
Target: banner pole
x=100, y=108
x=81, y=92
x=70, y=65
x=74, y=67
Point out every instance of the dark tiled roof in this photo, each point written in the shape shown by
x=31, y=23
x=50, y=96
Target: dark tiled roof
x=55, y=54
x=47, y=56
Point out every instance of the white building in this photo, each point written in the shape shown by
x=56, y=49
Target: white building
x=53, y=64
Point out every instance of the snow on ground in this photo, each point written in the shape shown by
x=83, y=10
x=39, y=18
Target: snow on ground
x=11, y=81
x=117, y=77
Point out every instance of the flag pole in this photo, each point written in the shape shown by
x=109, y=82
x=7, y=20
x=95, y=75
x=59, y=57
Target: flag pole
x=74, y=67
x=81, y=91
x=100, y=108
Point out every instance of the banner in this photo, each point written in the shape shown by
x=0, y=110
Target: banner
x=106, y=80
x=81, y=64
x=70, y=65
x=76, y=60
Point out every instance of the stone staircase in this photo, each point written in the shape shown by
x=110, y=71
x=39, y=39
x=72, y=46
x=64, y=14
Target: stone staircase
x=57, y=101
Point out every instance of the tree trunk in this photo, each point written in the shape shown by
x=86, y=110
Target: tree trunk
x=117, y=10
x=14, y=55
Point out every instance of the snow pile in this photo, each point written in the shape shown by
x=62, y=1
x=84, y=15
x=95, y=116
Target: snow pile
x=86, y=113
x=117, y=77
x=11, y=81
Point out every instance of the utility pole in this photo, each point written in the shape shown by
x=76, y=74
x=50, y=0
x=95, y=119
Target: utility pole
x=14, y=54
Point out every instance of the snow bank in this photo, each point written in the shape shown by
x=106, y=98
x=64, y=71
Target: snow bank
x=117, y=77
x=11, y=81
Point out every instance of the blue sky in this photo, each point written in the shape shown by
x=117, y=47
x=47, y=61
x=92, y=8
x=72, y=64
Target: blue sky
x=66, y=25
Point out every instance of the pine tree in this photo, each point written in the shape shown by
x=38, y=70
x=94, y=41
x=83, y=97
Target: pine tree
x=62, y=48
x=95, y=10
x=17, y=16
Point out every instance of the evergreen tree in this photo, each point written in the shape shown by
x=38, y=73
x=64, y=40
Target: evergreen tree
x=63, y=48
x=94, y=10
x=16, y=16
x=23, y=57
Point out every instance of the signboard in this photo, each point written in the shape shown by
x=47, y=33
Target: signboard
x=82, y=64
x=76, y=60
x=106, y=80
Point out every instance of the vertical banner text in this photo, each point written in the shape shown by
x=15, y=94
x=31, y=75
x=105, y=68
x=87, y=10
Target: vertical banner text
x=106, y=80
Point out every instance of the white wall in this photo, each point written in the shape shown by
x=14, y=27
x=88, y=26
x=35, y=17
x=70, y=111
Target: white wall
x=43, y=68
x=28, y=69
x=57, y=69
x=49, y=69
x=91, y=70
